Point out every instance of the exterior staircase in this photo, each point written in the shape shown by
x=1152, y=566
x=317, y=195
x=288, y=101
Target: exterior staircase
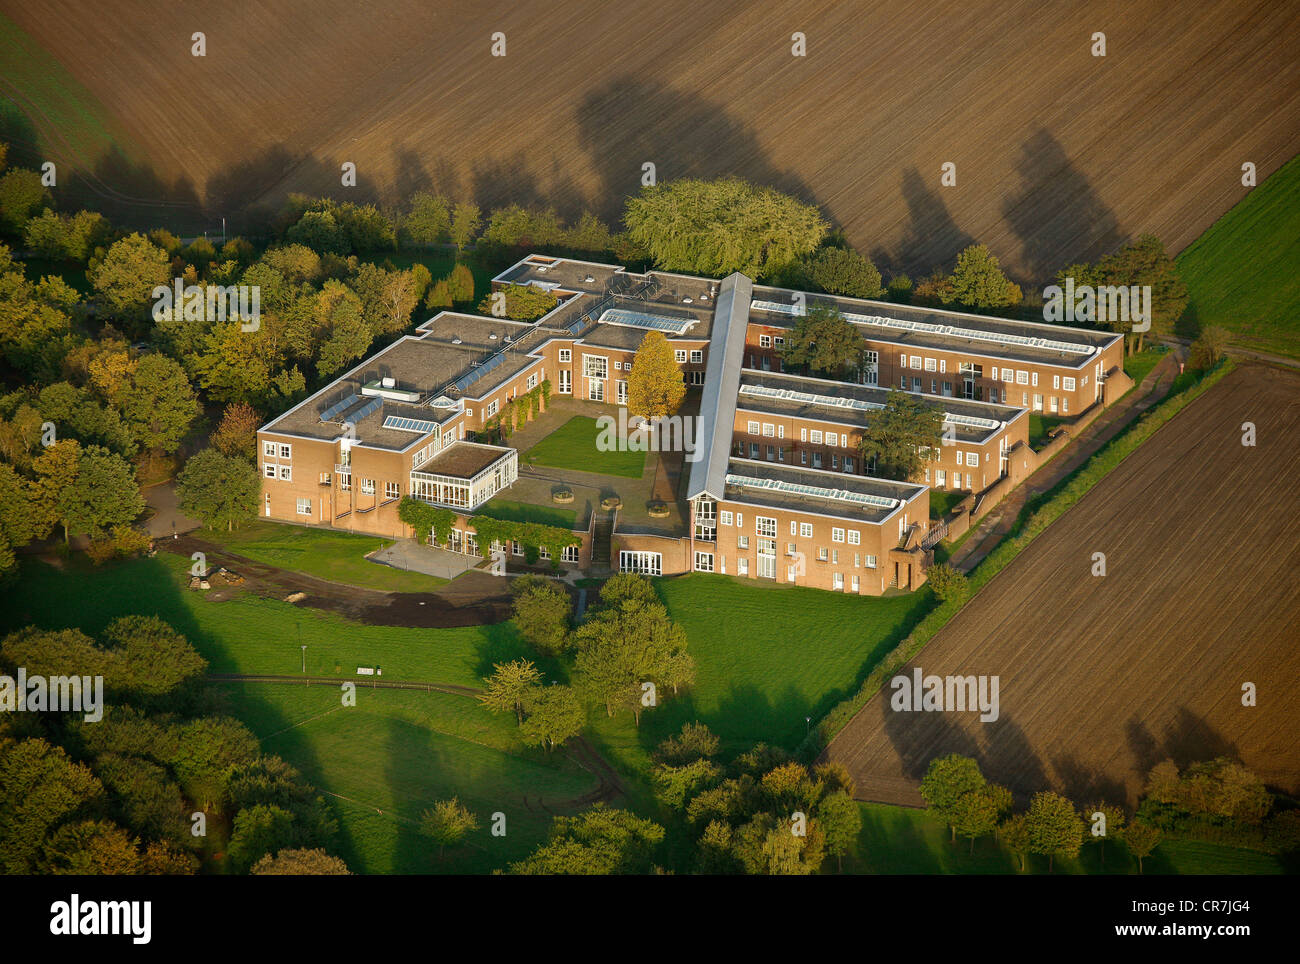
x=601, y=538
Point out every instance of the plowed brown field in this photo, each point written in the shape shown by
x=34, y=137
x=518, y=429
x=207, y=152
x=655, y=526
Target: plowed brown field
x=1060, y=155
x=1102, y=677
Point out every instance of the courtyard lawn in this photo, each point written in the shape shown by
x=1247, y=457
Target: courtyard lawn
x=384, y=761
x=1243, y=274
x=1039, y=427
x=247, y=634
x=902, y=840
x=573, y=446
x=943, y=501
x=548, y=515
x=323, y=553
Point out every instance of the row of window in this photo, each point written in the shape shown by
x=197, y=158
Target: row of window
x=767, y=341
x=277, y=449
x=776, y=453
x=941, y=479
x=704, y=562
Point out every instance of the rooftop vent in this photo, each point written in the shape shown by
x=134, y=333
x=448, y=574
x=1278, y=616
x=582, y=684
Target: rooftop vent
x=455, y=341
x=492, y=337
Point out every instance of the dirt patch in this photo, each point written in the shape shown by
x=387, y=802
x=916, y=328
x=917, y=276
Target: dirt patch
x=473, y=599
x=1102, y=677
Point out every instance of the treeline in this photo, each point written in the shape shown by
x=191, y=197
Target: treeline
x=1219, y=801
x=161, y=784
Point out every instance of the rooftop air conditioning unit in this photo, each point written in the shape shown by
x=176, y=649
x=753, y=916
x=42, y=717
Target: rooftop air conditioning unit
x=389, y=382
x=455, y=341
x=492, y=337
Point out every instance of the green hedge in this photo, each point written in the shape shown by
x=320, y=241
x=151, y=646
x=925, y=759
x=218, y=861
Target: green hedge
x=1034, y=518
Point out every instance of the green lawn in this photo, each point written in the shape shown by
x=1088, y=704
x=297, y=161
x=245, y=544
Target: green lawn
x=943, y=501
x=393, y=755
x=573, y=446
x=548, y=515
x=1039, y=427
x=901, y=840
x=1139, y=366
x=324, y=553
x=248, y=634
x=1243, y=274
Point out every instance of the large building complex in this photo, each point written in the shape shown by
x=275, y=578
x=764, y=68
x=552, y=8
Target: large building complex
x=777, y=488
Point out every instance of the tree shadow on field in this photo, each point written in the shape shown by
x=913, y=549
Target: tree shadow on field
x=1188, y=739
x=1057, y=215
x=932, y=238
x=631, y=121
x=1086, y=784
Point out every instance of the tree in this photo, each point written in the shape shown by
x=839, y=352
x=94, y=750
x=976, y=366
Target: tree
x=158, y=404
x=447, y=822
x=465, y=222
x=1208, y=348
x=128, y=273
x=512, y=687
x=948, y=582
x=522, y=302
x=554, y=715
x=1141, y=838
x=1014, y=833
x=621, y=647
x=300, y=863
x=460, y=284
x=599, y=841
x=1055, y=828
x=975, y=814
x=542, y=609
x=218, y=489
x=1114, y=824
x=236, y=433
x=21, y=195
x=86, y=490
x=896, y=436
x=428, y=220
x=842, y=271
x=259, y=831
x=721, y=226
x=656, y=386
x=823, y=340
x=97, y=847
x=62, y=237
x=841, y=822
x=979, y=282
x=695, y=742
x=946, y=781
x=40, y=786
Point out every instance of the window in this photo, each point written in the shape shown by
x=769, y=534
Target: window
x=570, y=554
x=724, y=518
x=794, y=527
x=391, y=490
x=596, y=389
x=1022, y=378
x=753, y=450
x=742, y=542
x=916, y=361
x=848, y=463
x=803, y=435
x=765, y=526
x=821, y=553
x=695, y=377
x=960, y=458
x=268, y=449
x=871, y=562
x=285, y=451
x=742, y=567
x=566, y=355
x=855, y=585
x=769, y=430
x=835, y=557
x=304, y=506
x=817, y=460
x=704, y=562
x=469, y=413
x=839, y=581
x=752, y=428
x=620, y=392
x=805, y=530
x=680, y=354
x=931, y=365
x=780, y=431
x=779, y=341
x=345, y=481
x=1068, y=384
x=566, y=382
x=817, y=436
x=697, y=355
x=618, y=366
x=532, y=381
x=844, y=439
x=855, y=537
x=595, y=366
x=1008, y=375
x=286, y=473
x=940, y=478
x=943, y=365
x=1033, y=378
x=1056, y=381
x=835, y=462
x=837, y=535
x=1065, y=405
x=516, y=548
x=491, y=409
x=325, y=478
x=268, y=470
x=764, y=341
x=646, y=563
x=367, y=486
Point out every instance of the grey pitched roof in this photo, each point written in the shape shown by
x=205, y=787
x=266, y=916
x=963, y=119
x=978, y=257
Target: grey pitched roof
x=721, y=386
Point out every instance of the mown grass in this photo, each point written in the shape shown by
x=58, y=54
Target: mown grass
x=943, y=501
x=1243, y=274
x=902, y=840
x=1139, y=366
x=323, y=553
x=247, y=634
x=547, y=515
x=394, y=754
x=1040, y=427
x=573, y=446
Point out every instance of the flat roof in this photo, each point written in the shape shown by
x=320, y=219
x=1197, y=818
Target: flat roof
x=826, y=400
x=778, y=485
x=464, y=460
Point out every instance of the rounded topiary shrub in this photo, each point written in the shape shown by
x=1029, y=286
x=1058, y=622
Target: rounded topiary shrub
x=562, y=496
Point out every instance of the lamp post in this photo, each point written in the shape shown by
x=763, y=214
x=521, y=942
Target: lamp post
x=304, y=660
